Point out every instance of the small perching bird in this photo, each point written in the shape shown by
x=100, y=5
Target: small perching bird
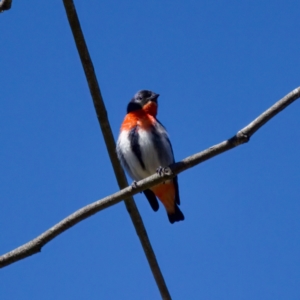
x=143, y=147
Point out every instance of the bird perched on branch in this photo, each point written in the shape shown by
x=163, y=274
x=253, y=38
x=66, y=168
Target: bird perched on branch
x=143, y=147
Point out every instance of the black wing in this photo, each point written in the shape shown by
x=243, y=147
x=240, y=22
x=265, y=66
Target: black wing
x=152, y=199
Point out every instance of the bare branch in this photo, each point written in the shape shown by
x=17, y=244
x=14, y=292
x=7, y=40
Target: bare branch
x=110, y=144
x=241, y=137
x=5, y=5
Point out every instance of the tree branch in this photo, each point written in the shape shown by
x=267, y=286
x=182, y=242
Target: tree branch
x=5, y=5
x=243, y=136
x=110, y=144
x=35, y=245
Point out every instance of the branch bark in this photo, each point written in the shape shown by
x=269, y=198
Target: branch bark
x=5, y=5
x=110, y=145
x=243, y=136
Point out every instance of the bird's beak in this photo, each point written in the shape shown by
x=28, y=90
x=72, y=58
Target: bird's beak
x=154, y=97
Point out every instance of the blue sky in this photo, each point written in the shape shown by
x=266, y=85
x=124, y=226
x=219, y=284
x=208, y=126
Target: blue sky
x=217, y=65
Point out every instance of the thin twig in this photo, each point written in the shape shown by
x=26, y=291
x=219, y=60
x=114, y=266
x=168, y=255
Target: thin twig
x=110, y=144
x=35, y=245
x=5, y=5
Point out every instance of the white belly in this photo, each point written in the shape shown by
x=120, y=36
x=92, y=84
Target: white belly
x=151, y=156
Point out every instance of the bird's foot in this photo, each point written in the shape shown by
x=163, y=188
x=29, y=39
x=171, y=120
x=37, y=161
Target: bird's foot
x=163, y=171
x=134, y=185
x=160, y=171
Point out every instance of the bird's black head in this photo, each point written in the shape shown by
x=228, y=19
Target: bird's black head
x=140, y=99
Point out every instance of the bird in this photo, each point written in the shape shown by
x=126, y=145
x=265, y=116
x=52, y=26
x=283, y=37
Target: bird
x=143, y=148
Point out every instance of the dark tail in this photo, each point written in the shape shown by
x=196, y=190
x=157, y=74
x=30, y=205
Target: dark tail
x=176, y=216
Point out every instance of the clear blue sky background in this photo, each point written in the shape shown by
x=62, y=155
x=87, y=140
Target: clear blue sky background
x=217, y=65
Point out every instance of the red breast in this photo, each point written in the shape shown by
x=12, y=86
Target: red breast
x=143, y=118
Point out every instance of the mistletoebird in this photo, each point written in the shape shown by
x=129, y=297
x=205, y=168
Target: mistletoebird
x=143, y=147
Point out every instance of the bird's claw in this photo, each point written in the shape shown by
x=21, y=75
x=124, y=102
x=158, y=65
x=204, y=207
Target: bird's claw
x=134, y=185
x=160, y=171
x=163, y=171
